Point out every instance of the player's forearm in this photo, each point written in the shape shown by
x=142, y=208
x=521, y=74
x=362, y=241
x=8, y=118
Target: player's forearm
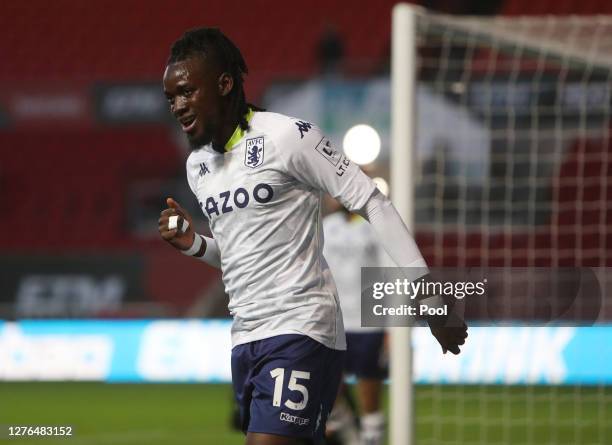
x=399, y=243
x=391, y=231
x=204, y=249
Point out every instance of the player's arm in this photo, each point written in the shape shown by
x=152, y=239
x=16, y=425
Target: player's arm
x=396, y=239
x=311, y=158
x=175, y=226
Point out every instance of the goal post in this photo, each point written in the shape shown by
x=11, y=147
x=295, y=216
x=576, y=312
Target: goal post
x=501, y=156
x=403, y=127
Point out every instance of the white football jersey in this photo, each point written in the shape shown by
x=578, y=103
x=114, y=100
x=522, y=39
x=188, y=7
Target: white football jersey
x=262, y=200
x=350, y=244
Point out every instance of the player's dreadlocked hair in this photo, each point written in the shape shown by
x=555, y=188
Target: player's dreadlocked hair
x=211, y=41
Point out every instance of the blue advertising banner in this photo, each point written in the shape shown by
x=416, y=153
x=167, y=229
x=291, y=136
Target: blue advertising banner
x=199, y=351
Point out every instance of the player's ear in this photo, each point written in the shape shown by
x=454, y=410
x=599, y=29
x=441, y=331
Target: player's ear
x=226, y=83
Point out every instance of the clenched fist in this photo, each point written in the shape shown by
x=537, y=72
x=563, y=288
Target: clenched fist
x=176, y=237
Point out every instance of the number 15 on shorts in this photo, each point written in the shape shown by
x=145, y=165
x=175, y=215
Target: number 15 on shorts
x=278, y=374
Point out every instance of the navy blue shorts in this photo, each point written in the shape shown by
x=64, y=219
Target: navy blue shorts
x=365, y=355
x=286, y=385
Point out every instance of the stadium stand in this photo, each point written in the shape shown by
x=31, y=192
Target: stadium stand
x=67, y=182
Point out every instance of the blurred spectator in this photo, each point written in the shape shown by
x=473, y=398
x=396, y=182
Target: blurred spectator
x=330, y=51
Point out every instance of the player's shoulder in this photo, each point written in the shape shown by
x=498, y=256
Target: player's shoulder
x=285, y=129
x=275, y=122
x=198, y=161
x=270, y=121
x=198, y=156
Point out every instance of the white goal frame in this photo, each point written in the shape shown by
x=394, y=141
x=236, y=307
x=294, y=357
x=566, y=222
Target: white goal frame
x=403, y=138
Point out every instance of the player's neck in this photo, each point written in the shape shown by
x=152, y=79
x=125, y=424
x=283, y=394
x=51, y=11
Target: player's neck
x=223, y=135
x=225, y=132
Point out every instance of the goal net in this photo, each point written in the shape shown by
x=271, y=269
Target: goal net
x=502, y=158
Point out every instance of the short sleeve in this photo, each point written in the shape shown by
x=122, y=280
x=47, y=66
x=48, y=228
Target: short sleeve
x=310, y=157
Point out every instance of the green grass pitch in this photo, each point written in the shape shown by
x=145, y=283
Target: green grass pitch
x=156, y=414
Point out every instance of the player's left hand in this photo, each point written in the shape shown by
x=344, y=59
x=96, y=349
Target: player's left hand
x=450, y=337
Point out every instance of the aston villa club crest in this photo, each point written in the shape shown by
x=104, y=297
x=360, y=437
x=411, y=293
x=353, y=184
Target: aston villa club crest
x=254, y=153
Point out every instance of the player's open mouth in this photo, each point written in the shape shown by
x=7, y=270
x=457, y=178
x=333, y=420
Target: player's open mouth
x=188, y=124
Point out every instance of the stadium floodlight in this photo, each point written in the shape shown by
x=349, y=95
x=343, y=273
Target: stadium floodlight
x=361, y=144
x=382, y=185
x=537, y=91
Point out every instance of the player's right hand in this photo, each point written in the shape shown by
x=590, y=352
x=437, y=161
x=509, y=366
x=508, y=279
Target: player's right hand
x=175, y=237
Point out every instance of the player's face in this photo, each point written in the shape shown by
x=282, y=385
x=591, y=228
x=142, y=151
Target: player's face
x=192, y=91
